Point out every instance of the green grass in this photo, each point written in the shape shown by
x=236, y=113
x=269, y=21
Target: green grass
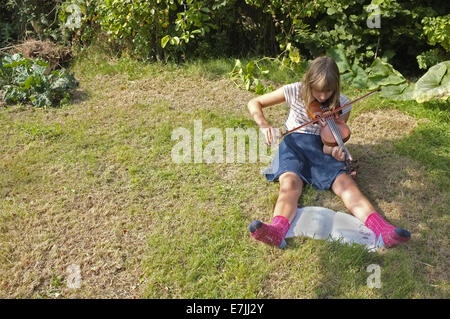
x=94, y=184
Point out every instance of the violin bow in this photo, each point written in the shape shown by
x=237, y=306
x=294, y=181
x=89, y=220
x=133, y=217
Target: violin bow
x=331, y=112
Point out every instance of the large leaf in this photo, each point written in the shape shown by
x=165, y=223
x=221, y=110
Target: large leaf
x=434, y=84
x=361, y=78
x=357, y=77
x=339, y=57
x=408, y=93
x=13, y=94
x=402, y=91
x=381, y=73
x=41, y=100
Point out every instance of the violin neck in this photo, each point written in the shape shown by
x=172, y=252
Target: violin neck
x=337, y=136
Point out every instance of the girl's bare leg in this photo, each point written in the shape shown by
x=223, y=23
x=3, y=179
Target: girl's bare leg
x=291, y=187
x=285, y=209
x=388, y=235
x=346, y=188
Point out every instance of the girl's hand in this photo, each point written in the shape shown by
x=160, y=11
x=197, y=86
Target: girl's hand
x=271, y=134
x=338, y=153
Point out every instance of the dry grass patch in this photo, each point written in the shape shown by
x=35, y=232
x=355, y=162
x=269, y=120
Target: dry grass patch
x=83, y=206
x=93, y=184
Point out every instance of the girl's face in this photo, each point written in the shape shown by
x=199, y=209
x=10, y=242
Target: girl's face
x=321, y=96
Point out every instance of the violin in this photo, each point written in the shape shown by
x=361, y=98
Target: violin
x=332, y=127
x=334, y=131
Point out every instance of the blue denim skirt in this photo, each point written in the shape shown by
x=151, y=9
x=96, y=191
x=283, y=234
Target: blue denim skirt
x=303, y=155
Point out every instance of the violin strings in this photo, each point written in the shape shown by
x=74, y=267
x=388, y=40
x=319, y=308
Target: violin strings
x=337, y=136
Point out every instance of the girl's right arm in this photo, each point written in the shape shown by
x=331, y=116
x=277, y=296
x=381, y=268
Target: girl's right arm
x=256, y=105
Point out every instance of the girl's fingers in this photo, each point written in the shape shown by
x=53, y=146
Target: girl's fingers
x=268, y=136
x=338, y=154
x=341, y=154
x=265, y=131
x=271, y=134
x=275, y=134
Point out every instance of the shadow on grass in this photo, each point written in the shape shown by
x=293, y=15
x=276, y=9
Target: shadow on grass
x=405, y=181
x=80, y=96
x=407, y=196
x=400, y=186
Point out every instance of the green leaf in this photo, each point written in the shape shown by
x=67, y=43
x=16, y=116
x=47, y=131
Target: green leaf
x=348, y=77
x=294, y=55
x=339, y=57
x=13, y=94
x=164, y=41
x=382, y=73
x=408, y=93
x=393, y=91
x=29, y=82
x=26, y=80
x=361, y=78
x=41, y=100
x=434, y=84
x=250, y=67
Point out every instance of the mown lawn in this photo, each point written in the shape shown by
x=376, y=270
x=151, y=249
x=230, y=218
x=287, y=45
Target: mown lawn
x=93, y=184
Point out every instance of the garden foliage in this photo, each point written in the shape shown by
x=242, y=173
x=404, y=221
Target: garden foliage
x=435, y=83
x=410, y=36
x=26, y=80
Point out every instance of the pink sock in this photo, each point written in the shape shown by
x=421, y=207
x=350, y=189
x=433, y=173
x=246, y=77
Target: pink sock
x=272, y=234
x=387, y=235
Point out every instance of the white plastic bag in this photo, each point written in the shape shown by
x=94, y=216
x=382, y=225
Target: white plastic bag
x=326, y=224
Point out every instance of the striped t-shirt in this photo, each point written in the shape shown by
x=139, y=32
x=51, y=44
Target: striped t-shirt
x=297, y=111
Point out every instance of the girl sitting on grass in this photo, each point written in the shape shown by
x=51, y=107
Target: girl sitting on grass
x=303, y=158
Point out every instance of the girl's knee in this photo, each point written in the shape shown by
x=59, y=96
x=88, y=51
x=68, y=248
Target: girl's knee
x=290, y=183
x=343, y=184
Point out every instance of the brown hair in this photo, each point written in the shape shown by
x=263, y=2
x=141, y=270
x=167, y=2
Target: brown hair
x=322, y=75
